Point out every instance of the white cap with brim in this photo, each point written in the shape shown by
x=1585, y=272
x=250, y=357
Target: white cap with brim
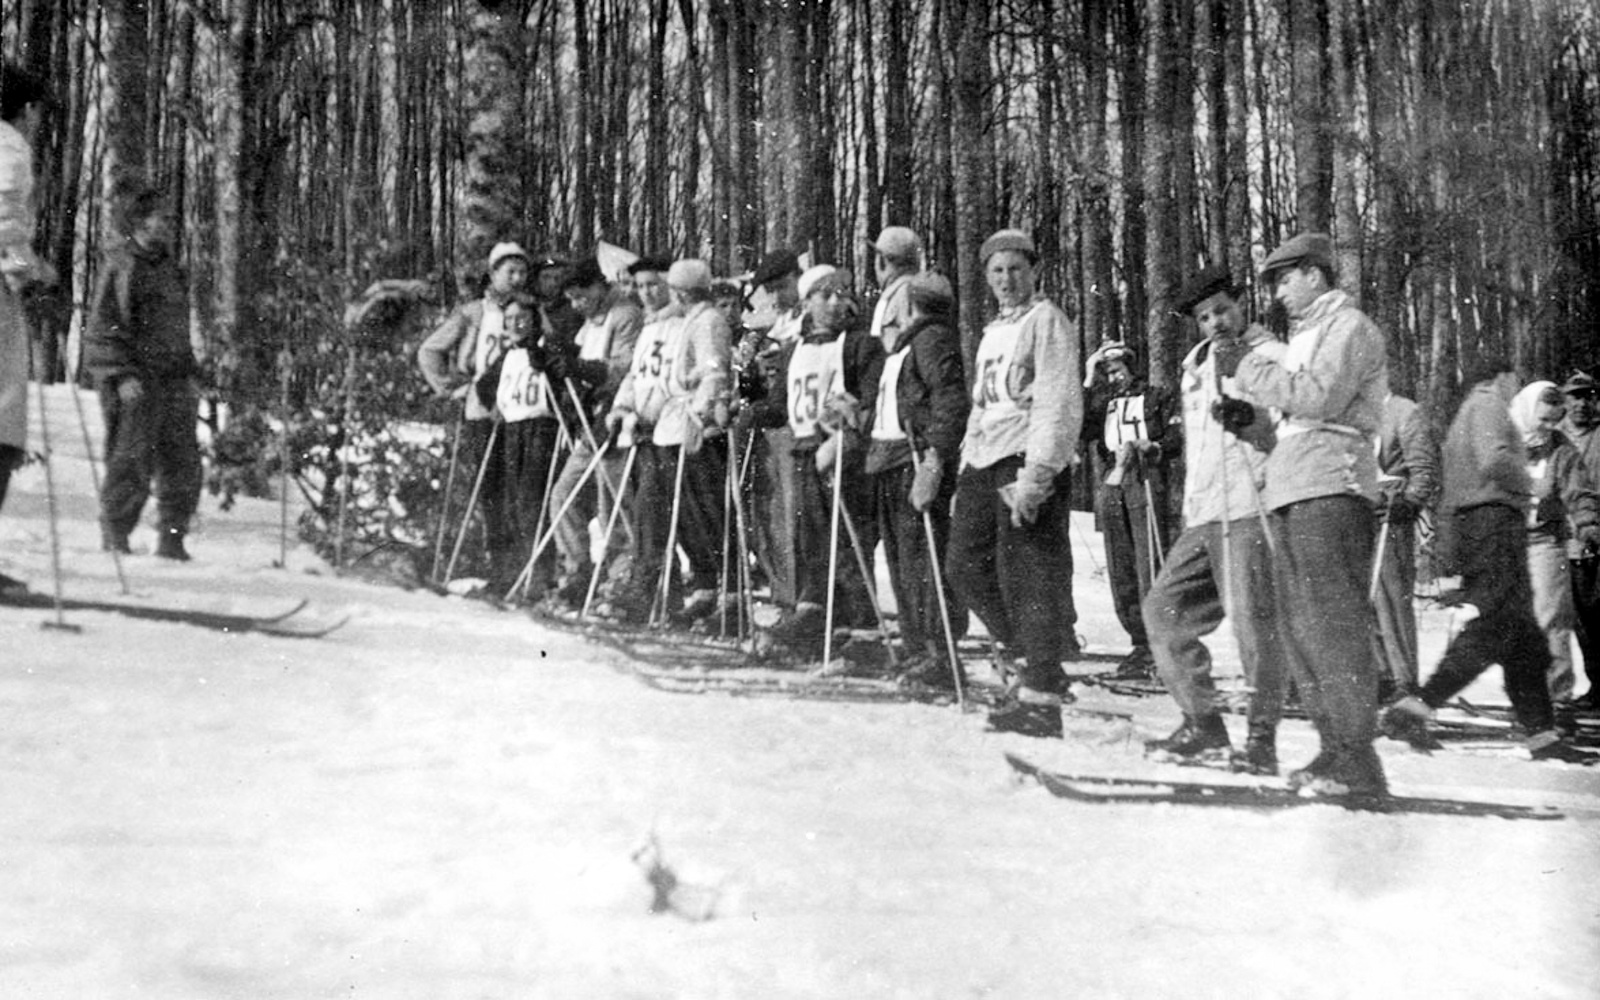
x=503, y=250
x=688, y=275
x=809, y=279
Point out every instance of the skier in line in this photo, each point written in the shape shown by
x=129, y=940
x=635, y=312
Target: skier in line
x=1221, y=563
x=1134, y=430
x=1580, y=427
x=1408, y=483
x=824, y=386
x=1010, y=557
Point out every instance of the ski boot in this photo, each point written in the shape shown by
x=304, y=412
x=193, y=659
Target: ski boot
x=1196, y=739
x=1549, y=746
x=170, y=545
x=1407, y=721
x=1138, y=665
x=1354, y=774
x=1260, y=753
x=1031, y=712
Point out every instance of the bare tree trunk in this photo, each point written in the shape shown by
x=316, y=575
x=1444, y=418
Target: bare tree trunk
x=897, y=133
x=971, y=160
x=128, y=143
x=1129, y=30
x=493, y=90
x=1163, y=124
x=1101, y=313
x=1313, y=148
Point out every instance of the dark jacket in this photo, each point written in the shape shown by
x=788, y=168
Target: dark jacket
x=1163, y=423
x=1408, y=459
x=139, y=323
x=931, y=395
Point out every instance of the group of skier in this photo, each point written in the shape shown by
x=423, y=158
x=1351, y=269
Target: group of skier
x=643, y=455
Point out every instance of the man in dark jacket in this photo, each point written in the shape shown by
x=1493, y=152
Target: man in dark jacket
x=136, y=347
x=1582, y=428
x=914, y=445
x=1483, y=516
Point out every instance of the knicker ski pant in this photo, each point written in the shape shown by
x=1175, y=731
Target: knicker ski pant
x=911, y=571
x=529, y=446
x=699, y=531
x=1186, y=603
x=151, y=440
x=1017, y=580
x=1494, y=576
x=1125, y=521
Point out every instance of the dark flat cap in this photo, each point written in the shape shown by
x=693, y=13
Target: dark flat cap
x=1304, y=250
x=1214, y=279
x=775, y=265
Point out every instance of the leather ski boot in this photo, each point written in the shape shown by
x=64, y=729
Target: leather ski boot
x=1260, y=753
x=1196, y=738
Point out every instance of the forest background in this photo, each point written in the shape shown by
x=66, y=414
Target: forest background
x=1452, y=148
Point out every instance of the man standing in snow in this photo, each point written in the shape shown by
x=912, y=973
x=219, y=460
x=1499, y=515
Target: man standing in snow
x=895, y=259
x=464, y=350
x=21, y=99
x=1581, y=425
x=136, y=346
x=1221, y=563
x=1321, y=484
x=1483, y=532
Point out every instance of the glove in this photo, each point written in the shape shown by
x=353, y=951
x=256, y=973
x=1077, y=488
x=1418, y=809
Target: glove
x=558, y=366
x=1589, y=538
x=719, y=416
x=1226, y=353
x=1233, y=414
x=925, y=483
x=130, y=390
x=1033, y=486
x=842, y=410
x=614, y=421
x=827, y=454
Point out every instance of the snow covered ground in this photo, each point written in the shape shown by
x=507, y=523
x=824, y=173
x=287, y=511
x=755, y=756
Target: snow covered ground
x=442, y=800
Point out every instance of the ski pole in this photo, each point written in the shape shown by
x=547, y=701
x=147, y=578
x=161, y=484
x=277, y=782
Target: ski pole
x=670, y=560
x=833, y=550
x=1377, y=559
x=944, y=611
x=284, y=361
x=746, y=599
x=60, y=623
x=1227, y=523
x=344, y=455
x=728, y=526
x=557, y=462
x=94, y=478
x=472, y=500
x=449, y=492
x=605, y=541
x=548, y=534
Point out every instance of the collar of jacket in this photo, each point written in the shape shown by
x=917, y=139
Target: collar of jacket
x=1328, y=302
x=915, y=330
x=810, y=335
x=1013, y=313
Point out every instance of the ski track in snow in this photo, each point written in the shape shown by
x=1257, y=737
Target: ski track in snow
x=443, y=800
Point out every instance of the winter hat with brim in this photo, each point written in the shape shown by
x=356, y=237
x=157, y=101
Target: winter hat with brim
x=1213, y=280
x=1304, y=250
x=775, y=265
x=1008, y=239
x=503, y=251
x=898, y=243
x=1581, y=384
x=814, y=275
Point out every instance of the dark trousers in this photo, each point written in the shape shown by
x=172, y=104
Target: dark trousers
x=1493, y=559
x=483, y=451
x=529, y=447
x=911, y=565
x=1125, y=522
x=11, y=459
x=1018, y=580
x=151, y=441
x=1586, y=603
x=699, y=509
x=813, y=528
x=1394, y=644
x=1324, y=556
x=1186, y=602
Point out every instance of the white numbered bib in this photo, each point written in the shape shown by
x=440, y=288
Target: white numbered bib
x=522, y=394
x=991, y=389
x=816, y=371
x=1125, y=423
x=886, y=421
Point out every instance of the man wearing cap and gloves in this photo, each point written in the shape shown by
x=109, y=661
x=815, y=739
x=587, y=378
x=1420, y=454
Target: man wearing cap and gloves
x=824, y=388
x=605, y=345
x=896, y=256
x=919, y=416
x=1010, y=557
x=1483, y=518
x=1583, y=420
x=1220, y=565
x=1135, y=431
x=674, y=401
x=1321, y=484
x=463, y=353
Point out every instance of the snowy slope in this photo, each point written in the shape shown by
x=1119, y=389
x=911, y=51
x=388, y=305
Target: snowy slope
x=442, y=800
